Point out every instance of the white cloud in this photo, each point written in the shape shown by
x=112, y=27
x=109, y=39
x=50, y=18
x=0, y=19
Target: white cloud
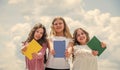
x=20, y=29
x=15, y=1
x=11, y=54
x=96, y=17
x=27, y=18
x=73, y=24
x=94, y=21
x=9, y=60
x=107, y=65
x=72, y=3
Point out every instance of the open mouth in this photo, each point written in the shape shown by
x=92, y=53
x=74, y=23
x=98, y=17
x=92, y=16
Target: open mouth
x=82, y=38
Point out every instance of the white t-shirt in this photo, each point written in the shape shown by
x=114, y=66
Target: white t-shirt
x=58, y=63
x=84, y=59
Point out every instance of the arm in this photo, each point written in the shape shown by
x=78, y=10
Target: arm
x=24, y=48
x=51, y=50
x=69, y=50
x=95, y=53
x=41, y=53
x=103, y=44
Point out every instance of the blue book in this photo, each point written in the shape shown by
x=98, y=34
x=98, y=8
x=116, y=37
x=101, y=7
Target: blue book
x=59, y=47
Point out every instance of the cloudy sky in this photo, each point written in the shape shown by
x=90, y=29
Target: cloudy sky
x=99, y=17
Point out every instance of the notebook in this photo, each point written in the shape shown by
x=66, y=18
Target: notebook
x=59, y=47
x=33, y=47
x=95, y=44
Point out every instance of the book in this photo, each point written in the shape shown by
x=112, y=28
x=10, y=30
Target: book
x=59, y=47
x=95, y=44
x=33, y=47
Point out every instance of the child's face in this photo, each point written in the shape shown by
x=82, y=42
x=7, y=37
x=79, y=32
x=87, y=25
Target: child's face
x=58, y=26
x=81, y=37
x=38, y=33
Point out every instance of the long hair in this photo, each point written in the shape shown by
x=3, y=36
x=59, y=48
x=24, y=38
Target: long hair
x=40, y=41
x=66, y=30
x=32, y=32
x=75, y=36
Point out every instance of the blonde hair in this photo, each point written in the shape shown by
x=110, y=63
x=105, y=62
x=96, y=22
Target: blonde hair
x=66, y=30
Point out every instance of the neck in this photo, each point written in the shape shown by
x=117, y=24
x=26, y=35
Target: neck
x=83, y=43
x=60, y=34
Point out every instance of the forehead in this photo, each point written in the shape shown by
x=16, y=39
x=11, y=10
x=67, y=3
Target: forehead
x=58, y=20
x=40, y=29
x=79, y=31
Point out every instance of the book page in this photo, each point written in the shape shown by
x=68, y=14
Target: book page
x=59, y=47
x=95, y=44
x=33, y=47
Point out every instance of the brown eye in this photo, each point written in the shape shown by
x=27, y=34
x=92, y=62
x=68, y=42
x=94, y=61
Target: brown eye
x=78, y=34
x=60, y=23
x=55, y=24
x=82, y=33
x=37, y=31
x=41, y=32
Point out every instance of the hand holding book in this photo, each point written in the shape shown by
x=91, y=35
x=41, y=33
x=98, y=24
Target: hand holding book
x=103, y=45
x=32, y=48
x=95, y=44
x=94, y=52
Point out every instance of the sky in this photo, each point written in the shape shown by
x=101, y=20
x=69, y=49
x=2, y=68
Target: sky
x=99, y=17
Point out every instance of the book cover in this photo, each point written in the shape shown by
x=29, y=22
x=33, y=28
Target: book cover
x=59, y=47
x=95, y=44
x=33, y=47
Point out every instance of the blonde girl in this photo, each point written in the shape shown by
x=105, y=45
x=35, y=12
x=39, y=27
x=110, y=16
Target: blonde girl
x=59, y=31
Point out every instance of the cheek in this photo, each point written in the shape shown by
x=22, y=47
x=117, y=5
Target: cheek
x=63, y=27
x=85, y=38
x=53, y=27
x=35, y=37
x=41, y=35
x=78, y=39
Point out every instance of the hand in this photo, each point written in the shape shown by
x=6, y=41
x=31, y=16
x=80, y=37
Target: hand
x=95, y=53
x=103, y=45
x=52, y=52
x=24, y=43
x=67, y=54
x=24, y=49
x=40, y=55
x=34, y=55
x=24, y=46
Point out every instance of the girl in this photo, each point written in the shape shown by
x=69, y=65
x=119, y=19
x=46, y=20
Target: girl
x=38, y=33
x=84, y=57
x=59, y=31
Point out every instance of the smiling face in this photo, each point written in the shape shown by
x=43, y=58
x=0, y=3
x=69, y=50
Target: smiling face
x=81, y=37
x=38, y=33
x=58, y=26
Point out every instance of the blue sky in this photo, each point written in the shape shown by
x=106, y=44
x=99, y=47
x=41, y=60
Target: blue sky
x=98, y=17
x=111, y=6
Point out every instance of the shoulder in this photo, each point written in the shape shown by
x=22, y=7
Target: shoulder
x=45, y=43
x=77, y=46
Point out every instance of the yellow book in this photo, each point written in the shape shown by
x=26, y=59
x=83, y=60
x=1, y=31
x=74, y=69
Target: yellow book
x=33, y=47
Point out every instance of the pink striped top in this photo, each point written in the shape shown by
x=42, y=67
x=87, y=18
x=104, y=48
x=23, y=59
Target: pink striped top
x=37, y=64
